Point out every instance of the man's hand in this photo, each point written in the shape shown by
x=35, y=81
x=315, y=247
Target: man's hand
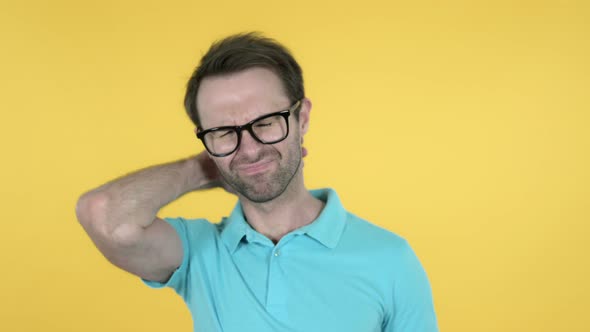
x=211, y=172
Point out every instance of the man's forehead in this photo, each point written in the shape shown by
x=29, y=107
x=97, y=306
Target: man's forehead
x=257, y=80
x=237, y=97
x=240, y=114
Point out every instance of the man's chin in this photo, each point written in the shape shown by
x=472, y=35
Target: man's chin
x=260, y=196
x=260, y=192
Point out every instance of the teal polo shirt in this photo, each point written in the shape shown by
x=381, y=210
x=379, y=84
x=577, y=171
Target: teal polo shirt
x=339, y=273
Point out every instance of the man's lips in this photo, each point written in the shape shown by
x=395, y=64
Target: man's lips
x=257, y=167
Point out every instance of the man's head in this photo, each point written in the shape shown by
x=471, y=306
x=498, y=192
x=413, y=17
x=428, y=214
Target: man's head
x=244, y=51
x=241, y=79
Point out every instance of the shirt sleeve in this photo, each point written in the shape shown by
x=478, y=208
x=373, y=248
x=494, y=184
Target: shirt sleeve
x=413, y=307
x=178, y=279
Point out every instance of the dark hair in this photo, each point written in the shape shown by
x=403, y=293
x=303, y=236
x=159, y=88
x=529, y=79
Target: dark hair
x=243, y=51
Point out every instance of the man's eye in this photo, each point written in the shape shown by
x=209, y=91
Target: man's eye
x=223, y=134
x=264, y=124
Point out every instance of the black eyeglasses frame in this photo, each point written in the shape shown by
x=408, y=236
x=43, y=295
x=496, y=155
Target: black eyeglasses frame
x=248, y=126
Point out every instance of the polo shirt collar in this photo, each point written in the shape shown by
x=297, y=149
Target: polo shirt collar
x=326, y=229
x=329, y=225
x=234, y=228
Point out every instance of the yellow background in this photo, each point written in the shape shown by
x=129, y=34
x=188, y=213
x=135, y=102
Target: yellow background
x=461, y=125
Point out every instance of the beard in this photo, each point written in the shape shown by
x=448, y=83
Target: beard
x=265, y=186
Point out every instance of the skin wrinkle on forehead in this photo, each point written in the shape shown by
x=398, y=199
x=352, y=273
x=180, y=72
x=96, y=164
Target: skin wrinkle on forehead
x=238, y=104
x=237, y=115
x=240, y=116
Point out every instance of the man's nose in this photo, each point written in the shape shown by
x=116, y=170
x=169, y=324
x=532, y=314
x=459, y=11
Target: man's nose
x=248, y=145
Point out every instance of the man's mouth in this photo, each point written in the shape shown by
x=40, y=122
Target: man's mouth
x=255, y=168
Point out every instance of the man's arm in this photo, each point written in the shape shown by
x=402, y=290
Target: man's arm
x=413, y=306
x=120, y=216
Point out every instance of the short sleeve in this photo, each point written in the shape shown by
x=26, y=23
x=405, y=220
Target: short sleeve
x=413, y=307
x=178, y=279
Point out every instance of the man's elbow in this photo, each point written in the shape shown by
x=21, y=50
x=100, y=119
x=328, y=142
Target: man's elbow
x=114, y=240
x=91, y=209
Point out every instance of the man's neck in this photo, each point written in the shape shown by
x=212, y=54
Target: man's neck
x=293, y=209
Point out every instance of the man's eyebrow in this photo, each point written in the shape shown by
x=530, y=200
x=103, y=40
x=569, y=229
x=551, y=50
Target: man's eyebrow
x=245, y=123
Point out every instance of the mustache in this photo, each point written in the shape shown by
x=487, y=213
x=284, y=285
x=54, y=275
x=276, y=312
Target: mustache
x=246, y=160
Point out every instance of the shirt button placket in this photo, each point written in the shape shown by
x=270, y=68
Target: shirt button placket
x=276, y=291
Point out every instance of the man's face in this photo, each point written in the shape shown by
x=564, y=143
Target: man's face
x=259, y=172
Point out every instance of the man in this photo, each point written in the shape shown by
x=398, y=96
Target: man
x=286, y=259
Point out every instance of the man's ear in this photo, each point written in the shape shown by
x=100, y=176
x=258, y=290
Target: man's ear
x=304, y=116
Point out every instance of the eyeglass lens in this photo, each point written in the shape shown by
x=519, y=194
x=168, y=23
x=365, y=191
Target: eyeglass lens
x=267, y=130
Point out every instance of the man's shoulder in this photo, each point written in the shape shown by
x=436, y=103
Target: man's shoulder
x=202, y=236
x=193, y=227
x=373, y=234
x=378, y=248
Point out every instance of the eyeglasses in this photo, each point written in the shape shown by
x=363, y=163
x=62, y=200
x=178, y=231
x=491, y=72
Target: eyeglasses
x=267, y=129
